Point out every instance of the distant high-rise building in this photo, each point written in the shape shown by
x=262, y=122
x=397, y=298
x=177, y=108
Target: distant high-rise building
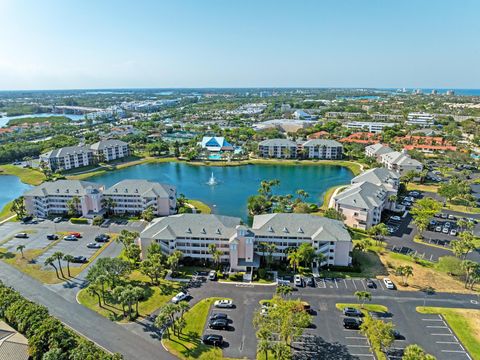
x=418, y=92
x=434, y=92
x=450, y=92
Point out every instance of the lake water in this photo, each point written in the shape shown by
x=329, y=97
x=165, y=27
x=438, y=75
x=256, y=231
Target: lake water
x=12, y=188
x=235, y=183
x=5, y=119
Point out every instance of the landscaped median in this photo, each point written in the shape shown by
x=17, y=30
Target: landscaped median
x=189, y=344
x=465, y=323
x=155, y=297
x=26, y=262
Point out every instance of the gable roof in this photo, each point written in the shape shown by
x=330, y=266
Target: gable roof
x=67, y=151
x=362, y=195
x=64, y=187
x=278, y=142
x=143, y=188
x=322, y=142
x=103, y=144
x=377, y=176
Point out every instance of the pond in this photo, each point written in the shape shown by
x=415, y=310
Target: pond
x=227, y=194
x=12, y=188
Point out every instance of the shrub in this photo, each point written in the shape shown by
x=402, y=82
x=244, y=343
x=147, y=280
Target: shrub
x=262, y=273
x=82, y=221
x=97, y=220
x=236, y=276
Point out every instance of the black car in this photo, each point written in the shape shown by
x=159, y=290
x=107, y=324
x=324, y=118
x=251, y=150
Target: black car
x=370, y=283
x=102, y=238
x=27, y=219
x=352, y=323
x=219, y=324
x=349, y=311
x=79, y=259
x=52, y=237
x=396, y=335
x=218, y=316
x=309, y=281
x=212, y=339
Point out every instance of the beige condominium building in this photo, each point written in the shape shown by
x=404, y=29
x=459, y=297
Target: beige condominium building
x=67, y=158
x=240, y=245
x=109, y=150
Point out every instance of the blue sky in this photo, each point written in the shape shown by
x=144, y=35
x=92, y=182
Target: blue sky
x=58, y=44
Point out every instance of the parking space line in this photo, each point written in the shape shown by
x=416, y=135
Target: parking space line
x=437, y=327
x=345, y=283
x=369, y=355
x=442, y=335
x=453, y=351
x=355, y=285
x=446, y=342
x=432, y=320
x=363, y=284
x=355, y=337
x=361, y=346
x=381, y=285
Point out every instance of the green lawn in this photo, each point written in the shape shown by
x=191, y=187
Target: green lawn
x=6, y=211
x=200, y=206
x=366, y=307
x=157, y=296
x=465, y=323
x=26, y=175
x=189, y=345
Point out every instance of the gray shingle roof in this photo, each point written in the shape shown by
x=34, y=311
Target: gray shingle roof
x=67, y=151
x=103, y=144
x=278, y=142
x=192, y=225
x=362, y=195
x=377, y=176
x=300, y=225
x=63, y=187
x=140, y=187
x=378, y=149
x=322, y=142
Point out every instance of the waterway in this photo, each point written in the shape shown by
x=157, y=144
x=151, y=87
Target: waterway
x=234, y=183
x=11, y=188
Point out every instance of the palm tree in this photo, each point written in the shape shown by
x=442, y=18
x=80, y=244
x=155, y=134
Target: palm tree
x=51, y=261
x=264, y=346
x=92, y=290
x=302, y=194
x=271, y=248
x=58, y=255
x=18, y=207
x=73, y=205
x=68, y=258
x=162, y=320
x=109, y=204
x=138, y=293
x=21, y=248
x=294, y=259
x=363, y=296
x=469, y=267
x=216, y=254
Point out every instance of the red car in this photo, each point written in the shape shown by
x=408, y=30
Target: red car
x=76, y=234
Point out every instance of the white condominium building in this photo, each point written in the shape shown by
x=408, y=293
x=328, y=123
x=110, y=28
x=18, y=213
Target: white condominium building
x=108, y=150
x=421, y=119
x=323, y=149
x=135, y=196
x=67, y=158
x=377, y=150
x=240, y=245
x=374, y=127
x=278, y=148
x=52, y=198
x=400, y=162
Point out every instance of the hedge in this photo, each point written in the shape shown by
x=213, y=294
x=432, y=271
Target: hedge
x=46, y=334
x=79, y=221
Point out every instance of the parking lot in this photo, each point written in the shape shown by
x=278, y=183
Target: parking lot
x=37, y=239
x=353, y=284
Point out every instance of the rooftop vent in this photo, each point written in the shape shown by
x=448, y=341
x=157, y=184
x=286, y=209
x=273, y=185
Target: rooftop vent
x=218, y=232
x=285, y=230
x=136, y=190
x=204, y=231
x=300, y=230
x=270, y=229
x=115, y=190
x=189, y=231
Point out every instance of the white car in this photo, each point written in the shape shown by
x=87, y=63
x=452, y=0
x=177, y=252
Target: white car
x=453, y=232
x=298, y=281
x=445, y=230
x=57, y=219
x=179, y=297
x=388, y=283
x=396, y=218
x=224, y=303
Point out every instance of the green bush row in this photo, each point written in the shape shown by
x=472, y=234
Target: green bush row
x=79, y=221
x=47, y=336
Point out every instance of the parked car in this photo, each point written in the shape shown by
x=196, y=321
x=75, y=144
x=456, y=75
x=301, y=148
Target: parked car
x=414, y=193
x=57, y=220
x=212, y=339
x=219, y=324
x=212, y=275
x=352, y=323
x=451, y=217
x=219, y=316
x=443, y=215
x=21, y=235
x=446, y=230
x=309, y=281
x=79, y=259
x=298, y=281
x=76, y=234
x=94, y=246
x=179, y=297
x=223, y=304
x=70, y=238
x=52, y=237
x=453, y=232
x=438, y=229
x=388, y=284
x=370, y=283
x=350, y=311
x=102, y=238
x=27, y=219
x=396, y=335
x=395, y=218
x=391, y=229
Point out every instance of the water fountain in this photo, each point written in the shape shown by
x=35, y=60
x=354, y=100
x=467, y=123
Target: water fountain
x=212, y=181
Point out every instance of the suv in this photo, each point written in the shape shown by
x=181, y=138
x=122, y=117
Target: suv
x=102, y=238
x=352, y=323
x=52, y=237
x=212, y=275
x=298, y=281
x=350, y=311
x=388, y=284
x=370, y=283
x=80, y=259
x=220, y=324
x=212, y=339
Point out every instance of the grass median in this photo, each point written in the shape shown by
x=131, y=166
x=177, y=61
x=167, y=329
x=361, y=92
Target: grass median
x=465, y=323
